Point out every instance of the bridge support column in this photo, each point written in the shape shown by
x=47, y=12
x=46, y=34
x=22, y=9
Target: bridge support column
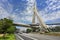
x=33, y=20
x=41, y=23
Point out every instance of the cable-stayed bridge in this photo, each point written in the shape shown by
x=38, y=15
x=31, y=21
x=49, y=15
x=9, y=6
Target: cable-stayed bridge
x=41, y=22
x=29, y=25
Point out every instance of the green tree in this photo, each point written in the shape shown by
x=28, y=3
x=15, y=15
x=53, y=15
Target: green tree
x=6, y=24
x=11, y=29
x=29, y=30
x=55, y=29
x=34, y=29
x=1, y=25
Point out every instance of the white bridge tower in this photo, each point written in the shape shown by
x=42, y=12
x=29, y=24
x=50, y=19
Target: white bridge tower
x=36, y=14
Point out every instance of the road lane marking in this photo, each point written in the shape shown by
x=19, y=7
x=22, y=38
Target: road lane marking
x=28, y=37
x=19, y=37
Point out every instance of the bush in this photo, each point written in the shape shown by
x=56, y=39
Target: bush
x=12, y=29
x=6, y=25
x=56, y=29
x=29, y=30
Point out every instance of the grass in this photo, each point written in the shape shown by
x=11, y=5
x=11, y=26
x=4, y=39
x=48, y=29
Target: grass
x=50, y=33
x=8, y=37
x=53, y=33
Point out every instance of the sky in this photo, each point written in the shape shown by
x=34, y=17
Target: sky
x=21, y=11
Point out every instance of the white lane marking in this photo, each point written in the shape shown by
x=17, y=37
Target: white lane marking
x=19, y=37
x=28, y=37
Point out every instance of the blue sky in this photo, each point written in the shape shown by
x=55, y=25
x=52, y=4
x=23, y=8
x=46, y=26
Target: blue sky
x=21, y=11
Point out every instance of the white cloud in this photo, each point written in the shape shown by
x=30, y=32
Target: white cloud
x=7, y=13
x=28, y=18
x=3, y=13
x=29, y=12
x=45, y=16
x=51, y=16
x=4, y=0
x=51, y=7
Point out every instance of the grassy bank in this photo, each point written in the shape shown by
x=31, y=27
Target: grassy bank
x=8, y=37
x=53, y=33
x=50, y=33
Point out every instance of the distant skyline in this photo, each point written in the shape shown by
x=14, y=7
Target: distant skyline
x=21, y=10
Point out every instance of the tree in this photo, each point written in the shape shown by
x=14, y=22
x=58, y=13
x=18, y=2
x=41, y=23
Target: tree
x=55, y=29
x=29, y=30
x=6, y=24
x=1, y=25
x=35, y=29
x=11, y=29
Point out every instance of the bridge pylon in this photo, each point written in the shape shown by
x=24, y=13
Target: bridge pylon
x=41, y=22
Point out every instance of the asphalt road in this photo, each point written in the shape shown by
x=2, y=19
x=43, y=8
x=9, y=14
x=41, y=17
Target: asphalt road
x=42, y=37
x=31, y=36
x=22, y=37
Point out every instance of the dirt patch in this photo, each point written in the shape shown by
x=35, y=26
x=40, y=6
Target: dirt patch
x=1, y=35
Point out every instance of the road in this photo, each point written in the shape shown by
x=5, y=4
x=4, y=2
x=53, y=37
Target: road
x=30, y=36
x=23, y=37
x=43, y=37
